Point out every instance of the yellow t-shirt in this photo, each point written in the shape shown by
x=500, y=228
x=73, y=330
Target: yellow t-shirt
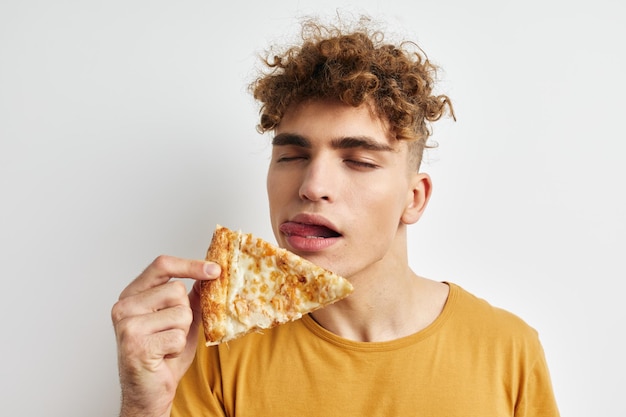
x=474, y=360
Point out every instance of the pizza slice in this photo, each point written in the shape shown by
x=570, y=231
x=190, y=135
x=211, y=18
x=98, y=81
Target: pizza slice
x=261, y=286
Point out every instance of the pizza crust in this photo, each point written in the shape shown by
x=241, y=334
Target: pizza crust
x=213, y=293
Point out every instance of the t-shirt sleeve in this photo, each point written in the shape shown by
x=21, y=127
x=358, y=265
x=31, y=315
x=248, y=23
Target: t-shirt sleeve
x=536, y=398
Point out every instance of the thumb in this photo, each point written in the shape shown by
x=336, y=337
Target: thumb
x=213, y=271
x=195, y=301
x=196, y=324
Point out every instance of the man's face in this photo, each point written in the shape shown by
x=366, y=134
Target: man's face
x=338, y=186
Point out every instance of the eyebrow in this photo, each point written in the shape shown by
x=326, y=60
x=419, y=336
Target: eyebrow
x=349, y=142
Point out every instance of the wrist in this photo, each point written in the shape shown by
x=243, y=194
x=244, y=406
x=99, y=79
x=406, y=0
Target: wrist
x=130, y=409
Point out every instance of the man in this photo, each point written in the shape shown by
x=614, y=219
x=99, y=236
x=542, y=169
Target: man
x=349, y=115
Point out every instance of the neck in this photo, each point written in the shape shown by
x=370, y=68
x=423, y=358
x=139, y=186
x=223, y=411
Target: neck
x=389, y=301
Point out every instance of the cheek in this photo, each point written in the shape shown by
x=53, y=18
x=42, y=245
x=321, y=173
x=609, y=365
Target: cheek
x=271, y=189
x=387, y=195
x=274, y=204
x=268, y=183
x=384, y=208
x=279, y=188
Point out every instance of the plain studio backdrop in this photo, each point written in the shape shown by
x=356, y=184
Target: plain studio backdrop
x=126, y=131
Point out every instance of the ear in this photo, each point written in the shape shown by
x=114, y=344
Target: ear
x=417, y=198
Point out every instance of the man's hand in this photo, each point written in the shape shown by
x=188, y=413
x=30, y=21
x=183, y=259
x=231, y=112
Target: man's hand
x=156, y=324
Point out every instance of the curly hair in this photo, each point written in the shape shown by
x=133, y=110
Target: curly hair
x=355, y=66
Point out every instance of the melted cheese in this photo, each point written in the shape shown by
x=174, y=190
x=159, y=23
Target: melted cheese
x=268, y=286
x=260, y=294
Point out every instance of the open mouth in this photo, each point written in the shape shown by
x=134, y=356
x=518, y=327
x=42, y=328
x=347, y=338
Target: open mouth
x=308, y=231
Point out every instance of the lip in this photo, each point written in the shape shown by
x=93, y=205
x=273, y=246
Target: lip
x=303, y=244
x=314, y=219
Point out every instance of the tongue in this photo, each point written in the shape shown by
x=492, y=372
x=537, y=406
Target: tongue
x=305, y=230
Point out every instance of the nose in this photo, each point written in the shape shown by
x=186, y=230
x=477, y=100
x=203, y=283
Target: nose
x=318, y=182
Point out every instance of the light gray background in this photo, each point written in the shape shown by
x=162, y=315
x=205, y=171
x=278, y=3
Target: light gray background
x=126, y=131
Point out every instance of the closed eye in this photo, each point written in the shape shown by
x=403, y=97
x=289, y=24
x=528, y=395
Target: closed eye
x=290, y=158
x=361, y=164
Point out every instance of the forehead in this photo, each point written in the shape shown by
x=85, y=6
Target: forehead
x=331, y=120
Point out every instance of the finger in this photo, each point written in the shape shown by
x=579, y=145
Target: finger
x=153, y=299
x=153, y=348
x=164, y=268
x=143, y=334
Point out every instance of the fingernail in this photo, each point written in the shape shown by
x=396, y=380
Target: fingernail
x=212, y=269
